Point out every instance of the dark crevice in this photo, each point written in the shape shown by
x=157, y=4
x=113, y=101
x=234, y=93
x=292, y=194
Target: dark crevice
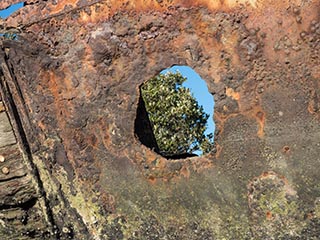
x=143, y=128
x=25, y=206
x=181, y=156
x=12, y=178
x=7, y=96
x=9, y=145
x=17, y=119
x=34, y=3
x=14, y=79
x=17, y=88
x=84, y=230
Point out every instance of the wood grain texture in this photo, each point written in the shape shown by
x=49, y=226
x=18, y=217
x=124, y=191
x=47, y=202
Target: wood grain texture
x=6, y=133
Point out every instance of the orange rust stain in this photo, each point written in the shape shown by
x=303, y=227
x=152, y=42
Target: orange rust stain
x=67, y=82
x=284, y=179
x=221, y=118
x=266, y=174
x=150, y=155
x=88, y=61
x=185, y=172
x=198, y=166
x=41, y=125
x=213, y=5
x=114, y=6
x=84, y=17
x=53, y=86
x=260, y=116
x=94, y=16
x=263, y=13
x=233, y=94
x=161, y=163
x=286, y=149
x=310, y=215
x=219, y=150
x=146, y=5
x=268, y=215
x=311, y=108
x=137, y=4
x=313, y=102
x=63, y=109
x=61, y=5
x=152, y=180
x=137, y=156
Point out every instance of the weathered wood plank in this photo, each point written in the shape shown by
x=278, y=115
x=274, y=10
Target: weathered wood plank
x=17, y=191
x=6, y=133
x=21, y=222
x=11, y=163
x=20, y=210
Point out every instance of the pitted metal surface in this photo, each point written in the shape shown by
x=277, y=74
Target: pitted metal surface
x=74, y=77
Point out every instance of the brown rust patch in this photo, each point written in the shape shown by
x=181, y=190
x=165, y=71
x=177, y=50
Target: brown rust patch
x=268, y=215
x=114, y=46
x=313, y=106
x=261, y=121
x=107, y=10
x=233, y=94
x=286, y=149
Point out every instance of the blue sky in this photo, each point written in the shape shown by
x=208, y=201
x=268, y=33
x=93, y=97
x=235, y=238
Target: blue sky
x=199, y=90
x=7, y=12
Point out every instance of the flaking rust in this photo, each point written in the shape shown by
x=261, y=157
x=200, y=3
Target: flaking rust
x=73, y=77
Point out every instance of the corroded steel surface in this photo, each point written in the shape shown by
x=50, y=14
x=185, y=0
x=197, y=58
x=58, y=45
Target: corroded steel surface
x=74, y=79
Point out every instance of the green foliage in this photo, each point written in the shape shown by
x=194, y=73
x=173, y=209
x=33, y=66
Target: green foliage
x=177, y=119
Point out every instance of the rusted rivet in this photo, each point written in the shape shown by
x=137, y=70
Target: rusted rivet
x=269, y=215
x=2, y=159
x=286, y=149
x=5, y=170
x=66, y=230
